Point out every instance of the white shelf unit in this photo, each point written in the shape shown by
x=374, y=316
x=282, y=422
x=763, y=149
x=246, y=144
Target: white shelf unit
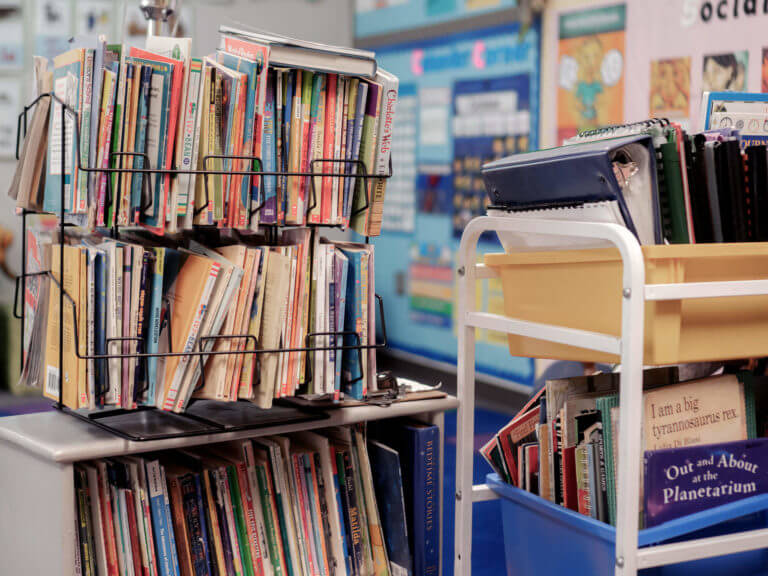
x=38, y=451
x=629, y=558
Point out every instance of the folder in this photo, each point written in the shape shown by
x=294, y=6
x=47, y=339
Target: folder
x=614, y=178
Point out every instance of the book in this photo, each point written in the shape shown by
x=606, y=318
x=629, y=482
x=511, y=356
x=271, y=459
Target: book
x=681, y=481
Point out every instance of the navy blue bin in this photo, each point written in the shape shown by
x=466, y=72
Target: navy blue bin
x=541, y=538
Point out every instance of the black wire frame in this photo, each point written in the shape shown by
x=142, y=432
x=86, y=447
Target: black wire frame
x=204, y=343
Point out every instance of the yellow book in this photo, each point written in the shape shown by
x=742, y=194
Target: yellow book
x=294, y=154
x=82, y=328
x=276, y=294
x=66, y=339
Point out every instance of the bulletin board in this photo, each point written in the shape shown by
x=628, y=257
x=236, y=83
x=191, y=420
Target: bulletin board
x=464, y=100
x=374, y=17
x=657, y=56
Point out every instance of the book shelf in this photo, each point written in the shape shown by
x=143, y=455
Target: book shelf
x=38, y=534
x=147, y=423
x=629, y=558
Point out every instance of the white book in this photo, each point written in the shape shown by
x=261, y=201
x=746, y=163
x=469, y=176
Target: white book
x=191, y=114
x=98, y=528
x=126, y=534
x=114, y=321
x=287, y=323
x=330, y=283
x=134, y=468
x=188, y=217
x=90, y=343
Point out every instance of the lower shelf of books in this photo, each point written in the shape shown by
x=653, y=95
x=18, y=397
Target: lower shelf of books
x=330, y=495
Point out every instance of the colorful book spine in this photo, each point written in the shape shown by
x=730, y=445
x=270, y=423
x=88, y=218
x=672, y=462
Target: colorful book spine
x=268, y=212
x=342, y=267
x=85, y=128
x=357, y=135
x=190, y=134
x=329, y=139
x=315, y=141
x=160, y=523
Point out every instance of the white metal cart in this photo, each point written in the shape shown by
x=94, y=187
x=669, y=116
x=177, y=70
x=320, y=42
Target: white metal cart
x=629, y=558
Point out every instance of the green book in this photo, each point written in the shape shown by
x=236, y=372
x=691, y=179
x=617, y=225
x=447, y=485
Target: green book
x=604, y=406
x=242, y=531
x=674, y=184
x=272, y=531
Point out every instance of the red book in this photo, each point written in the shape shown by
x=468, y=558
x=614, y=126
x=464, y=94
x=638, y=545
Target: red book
x=511, y=435
x=328, y=148
x=108, y=521
x=570, y=495
x=130, y=504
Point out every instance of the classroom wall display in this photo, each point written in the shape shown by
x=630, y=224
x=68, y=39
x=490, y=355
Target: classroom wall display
x=464, y=99
x=11, y=35
x=591, y=69
x=674, y=50
x=374, y=17
x=95, y=17
x=53, y=26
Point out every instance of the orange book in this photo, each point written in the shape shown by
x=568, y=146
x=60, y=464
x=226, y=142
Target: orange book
x=244, y=297
x=188, y=297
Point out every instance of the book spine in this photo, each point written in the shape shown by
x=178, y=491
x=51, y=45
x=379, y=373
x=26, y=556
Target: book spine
x=269, y=152
x=216, y=537
x=85, y=129
x=188, y=134
x=383, y=155
x=329, y=140
x=353, y=511
x=349, y=115
x=316, y=140
x=133, y=526
x=157, y=506
x=192, y=516
x=330, y=327
x=227, y=519
x=426, y=509
x=306, y=526
x=305, y=142
x=292, y=211
x=247, y=494
x=357, y=136
x=368, y=141
x=274, y=538
x=239, y=515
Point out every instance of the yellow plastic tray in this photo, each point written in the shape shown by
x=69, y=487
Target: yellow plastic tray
x=582, y=289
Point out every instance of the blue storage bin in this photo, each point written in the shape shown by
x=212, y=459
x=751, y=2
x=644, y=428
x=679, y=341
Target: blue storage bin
x=542, y=538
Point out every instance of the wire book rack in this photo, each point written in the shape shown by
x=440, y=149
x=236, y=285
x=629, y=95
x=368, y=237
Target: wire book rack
x=201, y=416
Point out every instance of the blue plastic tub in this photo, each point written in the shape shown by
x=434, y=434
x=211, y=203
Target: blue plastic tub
x=542, y=539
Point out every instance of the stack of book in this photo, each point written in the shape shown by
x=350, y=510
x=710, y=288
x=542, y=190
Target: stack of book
x=563, y=443
x=308, y=503
x=124, y=298
x=260, y=103
x=665, y=184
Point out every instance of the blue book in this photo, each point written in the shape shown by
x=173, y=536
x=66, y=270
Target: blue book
x=287, y=115
x=342, y=267
x=100, y=318
x=419, y=448
x=682, y=481
x=201, y=506
x=353, y=315
x=314, y=506
x=67, y=79
x=142, y=120
x=161, y=526
x=155, y=318
x=249, y=186
x=160, y=94
x=390, y=498
x=268, y=152
x=193, y=517
x=353, y=151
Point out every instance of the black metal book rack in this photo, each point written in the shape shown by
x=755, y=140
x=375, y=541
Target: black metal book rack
x=201, y=416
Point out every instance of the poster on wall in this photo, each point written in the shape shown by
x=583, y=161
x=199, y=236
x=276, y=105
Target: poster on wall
x=727, y=71
x=464, y=99
x=10, y=103
x=95, y=17
x=670, y=88
x=591, y=69
x=53, y=27
x=11, y=35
